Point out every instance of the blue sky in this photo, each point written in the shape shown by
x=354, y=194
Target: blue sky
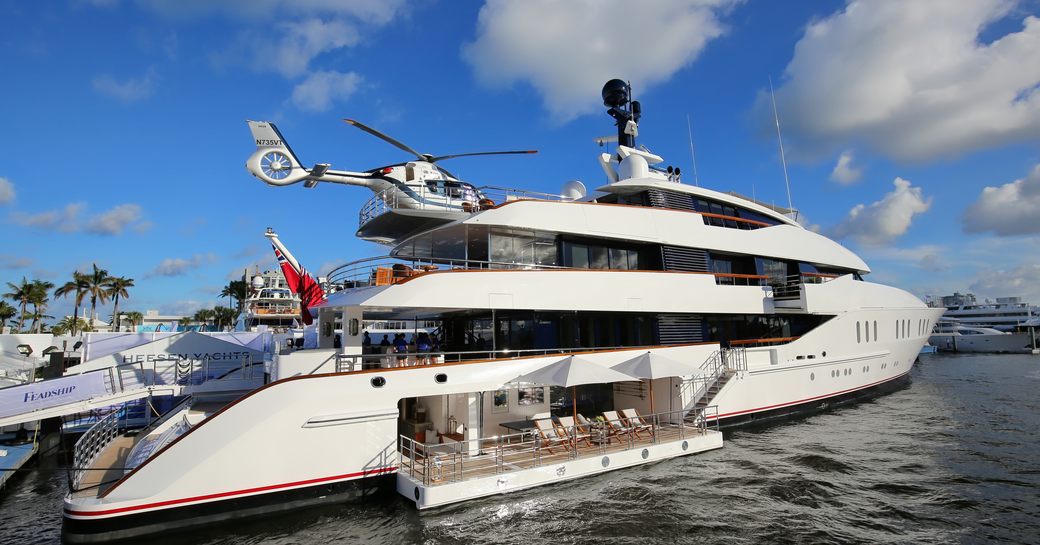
x=123, y=129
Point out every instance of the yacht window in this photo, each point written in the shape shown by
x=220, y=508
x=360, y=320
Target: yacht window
x=578, y=255
x=858, y=339
x=875, y=330
x=598, y=257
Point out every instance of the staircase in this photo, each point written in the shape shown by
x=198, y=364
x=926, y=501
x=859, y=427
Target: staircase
x=717, y=370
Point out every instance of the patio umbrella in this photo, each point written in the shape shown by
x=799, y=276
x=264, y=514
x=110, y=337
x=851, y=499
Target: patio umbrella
x=573, y=371
x=651, y=365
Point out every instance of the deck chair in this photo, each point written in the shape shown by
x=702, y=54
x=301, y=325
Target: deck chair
x=550, y=435
x=615, y=425
x=540, y=416
x=636, y=422
x=574, y=432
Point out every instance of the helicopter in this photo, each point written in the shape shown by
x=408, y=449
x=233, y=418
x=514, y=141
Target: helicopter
x=419, y=188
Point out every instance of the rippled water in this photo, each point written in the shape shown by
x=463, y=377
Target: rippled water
x=953, y=457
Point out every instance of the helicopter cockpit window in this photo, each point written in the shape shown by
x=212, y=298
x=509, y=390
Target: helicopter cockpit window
x=431, y=186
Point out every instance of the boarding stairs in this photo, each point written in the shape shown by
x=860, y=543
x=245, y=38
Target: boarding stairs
x=716, y=372
x=77, y=393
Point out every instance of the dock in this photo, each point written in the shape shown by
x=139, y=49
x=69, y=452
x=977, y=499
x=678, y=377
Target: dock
x=13, y=457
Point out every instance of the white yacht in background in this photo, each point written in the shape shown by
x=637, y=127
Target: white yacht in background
x=660, y=311
x=1007, y=326
x=270, y=303
x=1005, y=314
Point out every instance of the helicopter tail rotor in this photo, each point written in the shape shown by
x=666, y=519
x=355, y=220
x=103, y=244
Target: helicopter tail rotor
x=274, y=161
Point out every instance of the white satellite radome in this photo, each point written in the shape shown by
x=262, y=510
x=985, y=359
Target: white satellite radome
x=573, y=190
x=258, y=282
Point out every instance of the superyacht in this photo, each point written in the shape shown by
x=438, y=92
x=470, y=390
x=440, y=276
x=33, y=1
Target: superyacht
x=576, y=334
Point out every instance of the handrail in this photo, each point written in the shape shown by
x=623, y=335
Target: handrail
x=733, y=218
x=348, y=363
x=90, y=446
x=435, y=464
x=771, y=340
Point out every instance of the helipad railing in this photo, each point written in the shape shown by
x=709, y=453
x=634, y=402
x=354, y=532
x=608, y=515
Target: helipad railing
x=460, y=198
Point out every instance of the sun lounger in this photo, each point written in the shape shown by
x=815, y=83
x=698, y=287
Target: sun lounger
x=615, y=425
x=549, y=436
x=574, y=432
x=636, y=422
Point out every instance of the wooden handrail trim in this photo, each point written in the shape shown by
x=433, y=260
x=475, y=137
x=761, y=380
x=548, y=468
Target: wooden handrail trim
x=769, y=340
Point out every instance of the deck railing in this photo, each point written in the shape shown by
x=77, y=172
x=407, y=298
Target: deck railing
x=461, y=198
x=346, y=363
x=433, y=464
x=90, y=446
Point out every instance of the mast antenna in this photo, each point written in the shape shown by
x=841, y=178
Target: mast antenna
x=783, y=160
x=693, y=154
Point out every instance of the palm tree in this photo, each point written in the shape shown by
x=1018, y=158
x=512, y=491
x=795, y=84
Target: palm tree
x=136, y=318
x=203, y=316
x=224, y=315
x=67, y=324
x=38, y=297
x=6, y=313
x=77, y=287
x=20, y=293
x=237, y=289
x=116, y=289
x=97, y=286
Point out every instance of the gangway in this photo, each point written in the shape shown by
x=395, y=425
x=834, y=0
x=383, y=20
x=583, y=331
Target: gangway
x=121, y=383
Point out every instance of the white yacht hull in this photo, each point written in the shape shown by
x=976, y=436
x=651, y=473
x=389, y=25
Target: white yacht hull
x=303, y=437
x=1011, y=343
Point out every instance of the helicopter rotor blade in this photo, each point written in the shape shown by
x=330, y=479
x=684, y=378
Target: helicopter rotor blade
x=443, y=157
x=385, y=138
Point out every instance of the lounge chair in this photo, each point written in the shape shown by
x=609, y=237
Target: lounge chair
x=615, y=425
x=550, y=435
x=636, y=422
x=574, y=432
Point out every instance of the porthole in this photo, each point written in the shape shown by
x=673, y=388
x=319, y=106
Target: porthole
x=378, y=382
x=605, y=461
x=824, y=354
x=811, y=356
x=799, y=357
x=440, y=378
x=685, y=445
x=645, y=454
x=417, y=493
x=812, y=376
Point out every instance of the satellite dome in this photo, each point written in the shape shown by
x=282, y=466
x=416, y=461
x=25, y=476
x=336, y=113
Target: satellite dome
x=258, y=282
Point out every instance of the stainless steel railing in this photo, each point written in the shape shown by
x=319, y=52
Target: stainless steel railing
x=356, y=362
x=461, y=198
x=91, y=444
x=434, y=464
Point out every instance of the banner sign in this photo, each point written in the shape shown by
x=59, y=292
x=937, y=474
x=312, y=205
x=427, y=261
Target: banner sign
x=51, y=393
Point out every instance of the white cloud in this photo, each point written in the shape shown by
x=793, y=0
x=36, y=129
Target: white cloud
x=129, y=90
x=114, y=221
x=8, y=261
x=320, y=90
x=181, y=308
x=912, y=79
x=568, y=50
x=70, y=220
x=7, y=192
x=844, y=173
x=65, y=220
x=1020, y=281
x=885, y=220
x=377, y=12
x=299, y=42
x=928, y=257
x=177, y=266
x=1011, y=209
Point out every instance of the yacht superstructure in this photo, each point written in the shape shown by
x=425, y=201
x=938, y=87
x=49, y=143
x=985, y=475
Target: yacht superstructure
x=654, y=312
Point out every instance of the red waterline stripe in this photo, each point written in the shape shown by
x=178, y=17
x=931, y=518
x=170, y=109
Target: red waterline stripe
x=808, y=398
x=368, y=473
